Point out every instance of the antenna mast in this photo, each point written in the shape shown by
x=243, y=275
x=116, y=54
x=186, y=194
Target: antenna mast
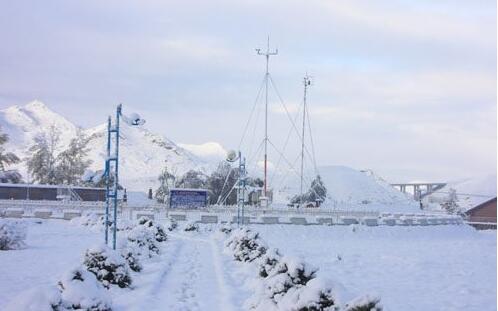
x=307, y=82
x=267, y=54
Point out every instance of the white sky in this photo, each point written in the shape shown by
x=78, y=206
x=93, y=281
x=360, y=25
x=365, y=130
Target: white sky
x=405, y=88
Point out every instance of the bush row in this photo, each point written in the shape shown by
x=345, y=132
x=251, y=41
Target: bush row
x=286, y=283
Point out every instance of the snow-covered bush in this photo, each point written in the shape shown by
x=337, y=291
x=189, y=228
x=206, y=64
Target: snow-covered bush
x=143, y=240
x=80, y=290
x=315, y=296
x=366, y=303
x=191, y=226
x=268, y=262
x=286, y=274
x=226, y=228
x=12, y=234
x=108, y=266
x=157, y=229
x=131, y=255
x=171, y=224
x=77, y=290
x=245, y=245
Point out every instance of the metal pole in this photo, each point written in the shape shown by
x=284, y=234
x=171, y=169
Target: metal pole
x=302, y=138
x=267, y=55
x=243, y=180
x=116, y=181
x=108, y=180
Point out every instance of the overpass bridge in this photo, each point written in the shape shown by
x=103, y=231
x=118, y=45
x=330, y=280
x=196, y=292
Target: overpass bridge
x=419, y=190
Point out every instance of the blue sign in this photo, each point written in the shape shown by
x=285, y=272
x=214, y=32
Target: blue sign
x=187, y=198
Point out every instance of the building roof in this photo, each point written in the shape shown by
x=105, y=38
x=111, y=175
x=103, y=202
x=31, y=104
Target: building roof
x=475, y=208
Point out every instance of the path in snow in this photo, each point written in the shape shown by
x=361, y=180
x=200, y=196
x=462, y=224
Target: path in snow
x=188, y=275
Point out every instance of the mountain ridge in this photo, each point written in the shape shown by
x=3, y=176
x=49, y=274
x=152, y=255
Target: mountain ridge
x=143, y=154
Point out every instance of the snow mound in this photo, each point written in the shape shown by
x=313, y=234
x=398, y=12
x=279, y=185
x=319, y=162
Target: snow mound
x=350, y=186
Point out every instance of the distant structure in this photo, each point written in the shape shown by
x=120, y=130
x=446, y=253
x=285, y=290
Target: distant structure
x=419, y=190
x=483, y=216
x=50, y=192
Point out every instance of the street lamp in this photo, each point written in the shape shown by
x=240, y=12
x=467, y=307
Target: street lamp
x=233, y=156
x=112, y=192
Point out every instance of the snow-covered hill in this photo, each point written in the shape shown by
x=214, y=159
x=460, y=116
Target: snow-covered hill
x=142, y=154
x=348, y=187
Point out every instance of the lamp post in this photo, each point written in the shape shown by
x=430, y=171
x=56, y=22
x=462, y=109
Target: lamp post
x=112, y=162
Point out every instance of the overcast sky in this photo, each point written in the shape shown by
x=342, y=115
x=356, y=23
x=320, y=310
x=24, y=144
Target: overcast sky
x=405, y=88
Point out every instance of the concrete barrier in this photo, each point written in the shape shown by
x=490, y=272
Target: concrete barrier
x=406, y=221
x=68, y=215
x=244, y=220
x=44, y=214
x=209, y=219
x=269, y=220
x=421, y=221
x=346, y=220
x=14, y=212
x=432, y=221
x=178, y=217
x=324, y=221
x=370, y=221
x=298, y=220
x=389, y=221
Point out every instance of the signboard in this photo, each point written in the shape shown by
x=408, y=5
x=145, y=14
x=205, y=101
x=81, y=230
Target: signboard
x=187, y=198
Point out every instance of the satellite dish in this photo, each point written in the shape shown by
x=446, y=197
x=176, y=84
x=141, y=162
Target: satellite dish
x=232, y=156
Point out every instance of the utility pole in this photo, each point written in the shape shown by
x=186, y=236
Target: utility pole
x=307, y=82
x=267, y=54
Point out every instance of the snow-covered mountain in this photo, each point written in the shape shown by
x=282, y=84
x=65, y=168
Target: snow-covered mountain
x=211, y=151
x=23, y=123
x=142, y=154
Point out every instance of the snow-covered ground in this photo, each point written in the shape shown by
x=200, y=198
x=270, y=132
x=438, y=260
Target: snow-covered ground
x=410, y=268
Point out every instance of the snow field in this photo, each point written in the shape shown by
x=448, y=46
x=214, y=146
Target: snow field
x=410, y=268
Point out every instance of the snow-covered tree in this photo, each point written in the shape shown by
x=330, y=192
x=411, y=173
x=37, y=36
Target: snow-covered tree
x=317, y=192
x=220, y=184
x=166, y=181
x=42, y=162
x=72, y=162
x=450, y=204
x=8, y=158
x=192, y=179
